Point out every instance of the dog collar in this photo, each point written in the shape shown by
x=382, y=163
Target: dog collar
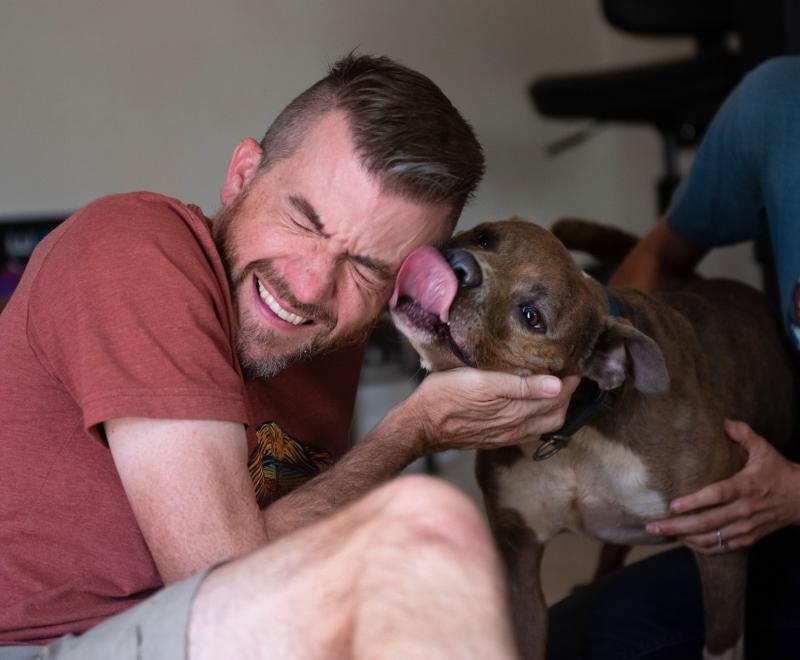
x=586, y=403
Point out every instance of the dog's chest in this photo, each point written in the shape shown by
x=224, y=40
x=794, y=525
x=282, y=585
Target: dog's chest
x=594, y=486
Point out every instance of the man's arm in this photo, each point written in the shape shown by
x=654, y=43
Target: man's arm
x=658, y=259
x=459, y=409
x=189, y=488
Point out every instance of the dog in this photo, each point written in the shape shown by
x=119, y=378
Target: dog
x=659, y=373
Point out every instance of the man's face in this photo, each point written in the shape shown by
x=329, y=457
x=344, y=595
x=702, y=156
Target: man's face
x=312, y=246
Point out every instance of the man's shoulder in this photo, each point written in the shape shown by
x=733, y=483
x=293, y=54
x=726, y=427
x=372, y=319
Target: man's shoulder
x=131, y=226
x=133, y=236
x=136, y=214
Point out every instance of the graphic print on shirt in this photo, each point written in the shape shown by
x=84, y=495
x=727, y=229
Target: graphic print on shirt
x=794, y=315
x=279, y=463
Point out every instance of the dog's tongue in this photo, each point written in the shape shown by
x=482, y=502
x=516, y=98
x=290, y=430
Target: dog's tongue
x=426, y=278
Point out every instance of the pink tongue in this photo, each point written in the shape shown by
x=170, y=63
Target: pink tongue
x=426, y=278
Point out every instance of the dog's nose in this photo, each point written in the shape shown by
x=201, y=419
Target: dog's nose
x=467, y=270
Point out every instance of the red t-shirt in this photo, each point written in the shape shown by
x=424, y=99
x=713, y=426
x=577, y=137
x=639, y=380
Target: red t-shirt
x=125, y=311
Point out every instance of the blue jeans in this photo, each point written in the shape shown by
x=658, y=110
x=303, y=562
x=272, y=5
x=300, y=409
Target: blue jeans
x=653, y=610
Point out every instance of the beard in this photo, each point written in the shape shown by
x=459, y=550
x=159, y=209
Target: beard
x=257, y=364
x=263, y=352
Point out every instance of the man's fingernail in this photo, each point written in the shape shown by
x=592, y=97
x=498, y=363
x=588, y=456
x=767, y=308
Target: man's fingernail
x=550, y=385
x=653, y=529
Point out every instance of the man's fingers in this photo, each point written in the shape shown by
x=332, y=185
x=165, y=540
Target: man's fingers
x=499, y=385
x=545, y=423
x=543, y=387
x=539, y=387
x=473, y=408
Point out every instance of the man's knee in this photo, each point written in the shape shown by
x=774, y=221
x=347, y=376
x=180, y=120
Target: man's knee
x=433, y=512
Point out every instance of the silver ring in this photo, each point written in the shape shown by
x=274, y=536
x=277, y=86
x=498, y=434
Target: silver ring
x=720, y=541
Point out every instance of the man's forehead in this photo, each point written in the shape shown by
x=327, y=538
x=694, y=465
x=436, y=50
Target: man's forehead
x=382, y=240
x=325, y=181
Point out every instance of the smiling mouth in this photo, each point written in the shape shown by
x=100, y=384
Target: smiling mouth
x=424, y=320
x=274, y=306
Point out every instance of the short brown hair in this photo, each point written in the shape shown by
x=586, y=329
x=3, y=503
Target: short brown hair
x=404, y=128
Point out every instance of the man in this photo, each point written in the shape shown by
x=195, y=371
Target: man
x=148, y=352
x=744, y=182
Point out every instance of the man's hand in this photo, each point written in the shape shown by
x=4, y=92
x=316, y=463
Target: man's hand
x=762, y=497
x=469, y=409
x=458, y=409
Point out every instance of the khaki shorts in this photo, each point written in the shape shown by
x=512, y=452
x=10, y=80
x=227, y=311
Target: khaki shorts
x=155, y=629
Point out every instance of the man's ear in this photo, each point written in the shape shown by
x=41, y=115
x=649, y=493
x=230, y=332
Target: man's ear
x=244, y=164
x=621, y=351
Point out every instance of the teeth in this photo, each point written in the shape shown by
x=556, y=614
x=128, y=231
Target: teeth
x=294, y=319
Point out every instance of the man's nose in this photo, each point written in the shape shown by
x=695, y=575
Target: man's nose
x=313, y=279
x=464, y=265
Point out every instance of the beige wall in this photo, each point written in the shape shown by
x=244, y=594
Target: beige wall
x=101, y=96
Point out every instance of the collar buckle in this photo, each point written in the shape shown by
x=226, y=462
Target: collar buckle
x=549, y=445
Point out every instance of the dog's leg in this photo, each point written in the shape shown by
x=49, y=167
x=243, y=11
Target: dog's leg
x=522, y=555
x=724, y=582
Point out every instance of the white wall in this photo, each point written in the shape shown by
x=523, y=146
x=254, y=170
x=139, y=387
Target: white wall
x=100, y=96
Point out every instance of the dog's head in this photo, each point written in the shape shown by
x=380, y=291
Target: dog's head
x=508, y=296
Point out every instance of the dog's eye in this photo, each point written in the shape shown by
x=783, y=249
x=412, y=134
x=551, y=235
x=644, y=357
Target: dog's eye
x=532, y=317
x=484, y=239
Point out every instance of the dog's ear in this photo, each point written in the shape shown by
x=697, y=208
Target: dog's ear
x=621, y=351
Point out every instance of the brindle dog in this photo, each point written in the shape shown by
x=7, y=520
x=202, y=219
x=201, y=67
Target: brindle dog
x=675, y=364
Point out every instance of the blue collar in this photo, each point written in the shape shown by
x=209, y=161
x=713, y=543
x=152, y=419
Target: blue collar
x=613, y=307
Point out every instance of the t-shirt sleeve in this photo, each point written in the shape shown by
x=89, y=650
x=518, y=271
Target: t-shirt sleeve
x=721, y=200
x=126, y=311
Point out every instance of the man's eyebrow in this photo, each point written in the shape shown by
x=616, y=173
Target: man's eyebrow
x=304, y=206
x=380, y=268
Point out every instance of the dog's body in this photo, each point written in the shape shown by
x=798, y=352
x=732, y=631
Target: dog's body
x=678, y=363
